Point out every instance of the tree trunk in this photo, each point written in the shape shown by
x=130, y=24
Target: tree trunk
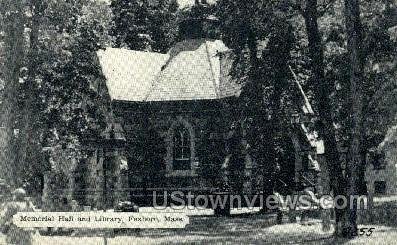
x=28, y=138
x=323, y=91
x=14, y=49
x=354, y=161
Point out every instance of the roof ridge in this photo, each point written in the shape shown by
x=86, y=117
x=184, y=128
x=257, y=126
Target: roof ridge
x=155, y=79
x=166, y=64
x=212, y=71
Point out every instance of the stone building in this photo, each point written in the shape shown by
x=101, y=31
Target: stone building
x=169, y=126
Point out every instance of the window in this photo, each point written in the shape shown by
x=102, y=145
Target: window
x=181, y=154
x=180, y=158
x=380, y=187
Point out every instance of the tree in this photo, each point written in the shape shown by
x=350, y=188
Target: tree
x=242, y=36
x=379, y=88
x=74, y=109
x=354, y=46
x=14, y=20
x=54, y=88
x=29, y=138
x=261, y=99
x=336, y=65
x=323, y=90
x=145, y=25
x=146, y=152
x=211, y=152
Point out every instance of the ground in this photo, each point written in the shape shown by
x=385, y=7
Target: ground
x=242, y=227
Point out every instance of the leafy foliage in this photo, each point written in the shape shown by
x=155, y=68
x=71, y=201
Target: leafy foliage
x=58, y=86
x=145, y=25
x=146, y=152
x=211, y=152
x=261, y=46
x=379, y=87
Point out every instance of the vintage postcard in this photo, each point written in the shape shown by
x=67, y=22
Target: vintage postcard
x=198, y=121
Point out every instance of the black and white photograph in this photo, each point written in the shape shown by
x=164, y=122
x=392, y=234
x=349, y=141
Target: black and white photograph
x=198, y=122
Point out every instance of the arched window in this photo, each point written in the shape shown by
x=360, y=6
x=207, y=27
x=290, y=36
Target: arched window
x=181, y=153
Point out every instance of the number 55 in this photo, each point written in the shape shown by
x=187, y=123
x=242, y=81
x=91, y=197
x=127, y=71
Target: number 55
x=366, y=231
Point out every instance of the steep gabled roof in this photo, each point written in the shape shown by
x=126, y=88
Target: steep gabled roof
x=194, y=69
x=191, y=70
x=130, y=74
x=191, y=73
